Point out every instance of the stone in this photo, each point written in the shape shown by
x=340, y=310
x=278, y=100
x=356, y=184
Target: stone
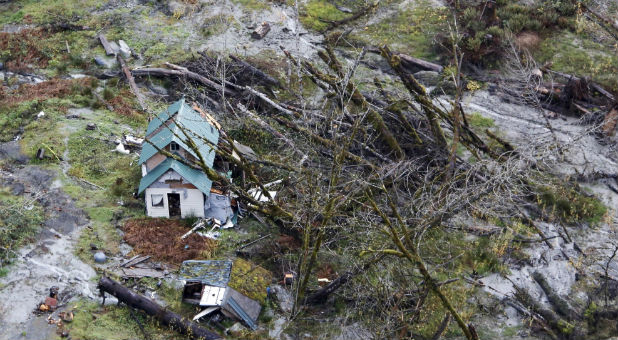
x=105, y=62
x=283, y=297
x=428, y=78
x=73, y=116
x=114, y=46
x=236, y=330
x=160, y=90
x=99, y=257
x=91, y=126
x=125, y=50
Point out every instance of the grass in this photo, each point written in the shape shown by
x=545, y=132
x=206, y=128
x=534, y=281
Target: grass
x=20, y=219
x=49, y=11
x=312, y=14
x=95, y=322
x=570, y=204
x=410, y=31
x=253, y=5
x=576, y=53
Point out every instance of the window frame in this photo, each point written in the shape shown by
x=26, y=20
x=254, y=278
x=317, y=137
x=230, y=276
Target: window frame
x=162, y=205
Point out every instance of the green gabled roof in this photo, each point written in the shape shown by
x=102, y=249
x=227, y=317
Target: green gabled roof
x=193, y=176
x=199, y=130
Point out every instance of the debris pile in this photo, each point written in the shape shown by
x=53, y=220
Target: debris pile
x=162, y=239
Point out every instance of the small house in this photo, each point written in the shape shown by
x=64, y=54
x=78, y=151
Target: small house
x=171, y=187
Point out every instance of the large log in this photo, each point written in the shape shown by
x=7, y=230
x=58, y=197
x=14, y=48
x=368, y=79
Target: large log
x=410, y=62
x=151, y=308
x=132, y=85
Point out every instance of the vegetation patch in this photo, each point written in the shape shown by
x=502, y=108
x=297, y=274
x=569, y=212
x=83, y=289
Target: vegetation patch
x=160, y=238
x=250, y=279
x=574, y=54
x=316, y=14
x=570, y=204
x=95, y=322
x=22, y=51
x=19, y=221
x=53, y=88
x=411, y=31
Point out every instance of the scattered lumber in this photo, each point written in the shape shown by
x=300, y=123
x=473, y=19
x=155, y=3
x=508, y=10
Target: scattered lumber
x=134, y=261
x=106, y=46
x=261, y=31
x=167, y=318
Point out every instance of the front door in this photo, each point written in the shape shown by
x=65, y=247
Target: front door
x=173, y=201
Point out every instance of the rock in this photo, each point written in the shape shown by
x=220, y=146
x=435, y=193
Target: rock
x=12, y=151
x=17, y=189
x=444, y=87
x=236, y=330
x=108, y=74
x=99, y=257
x=176, y=8
x=93, y=246
x=428, y=78
x=73, y=116
x=115, y=48
x=105, y=62
x=91, y=126
x=125, y=50
x=160, y=90
x=283, y=297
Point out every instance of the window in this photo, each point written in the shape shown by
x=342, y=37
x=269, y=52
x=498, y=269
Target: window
x=174, y=146
x=157, y=200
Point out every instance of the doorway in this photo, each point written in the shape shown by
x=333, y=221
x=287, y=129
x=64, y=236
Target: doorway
x=173, y=201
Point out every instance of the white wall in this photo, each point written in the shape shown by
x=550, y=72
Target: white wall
x=191, y=205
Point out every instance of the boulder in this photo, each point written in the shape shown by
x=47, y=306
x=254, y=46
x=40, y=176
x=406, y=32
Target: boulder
x=283, y=297
x=115, y=48
x=428, y=78
x=105, y=62
x=125, y=50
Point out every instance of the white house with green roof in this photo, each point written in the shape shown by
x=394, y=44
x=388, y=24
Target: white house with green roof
x=173, y=188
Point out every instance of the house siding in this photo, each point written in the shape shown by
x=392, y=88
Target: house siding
x=192, y=205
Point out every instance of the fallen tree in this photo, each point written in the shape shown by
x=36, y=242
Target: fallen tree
x=171, y=319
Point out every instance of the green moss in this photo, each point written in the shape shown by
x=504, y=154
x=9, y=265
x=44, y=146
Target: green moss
x=315, y=11
x=250, y=279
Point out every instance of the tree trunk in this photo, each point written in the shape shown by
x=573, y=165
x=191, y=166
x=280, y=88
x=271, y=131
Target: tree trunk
x=151, y=308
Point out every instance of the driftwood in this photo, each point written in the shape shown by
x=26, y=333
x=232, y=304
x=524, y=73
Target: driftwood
x=167, y=318
x=412, y=63
x=179, y=71
x=106, y=46
x=129, y=76
x=261, y=31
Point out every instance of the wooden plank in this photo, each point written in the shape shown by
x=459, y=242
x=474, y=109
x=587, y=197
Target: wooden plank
x=106, y=46
x=610, y=122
